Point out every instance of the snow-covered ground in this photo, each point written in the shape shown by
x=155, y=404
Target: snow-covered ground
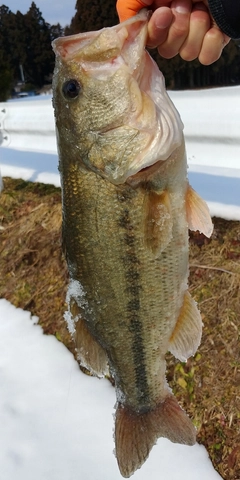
x=57, y=423
x=212, y=133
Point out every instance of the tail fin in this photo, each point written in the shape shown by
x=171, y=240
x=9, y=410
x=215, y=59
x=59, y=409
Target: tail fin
x=136, y=433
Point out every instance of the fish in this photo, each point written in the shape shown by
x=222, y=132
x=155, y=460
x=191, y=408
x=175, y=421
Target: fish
x=127, y=207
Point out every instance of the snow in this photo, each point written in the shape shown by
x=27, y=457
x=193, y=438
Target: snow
x=212, y=132
x=34, y=166
x=75, y=292
x=57, y=423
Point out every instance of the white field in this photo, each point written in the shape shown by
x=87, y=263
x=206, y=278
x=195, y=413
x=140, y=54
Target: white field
x=212, y=133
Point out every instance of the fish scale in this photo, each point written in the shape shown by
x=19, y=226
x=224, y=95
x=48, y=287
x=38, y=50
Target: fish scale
x=137, y=283
x=127, y=207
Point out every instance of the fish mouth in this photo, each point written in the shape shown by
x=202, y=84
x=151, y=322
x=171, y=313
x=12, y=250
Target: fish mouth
x=107, y=44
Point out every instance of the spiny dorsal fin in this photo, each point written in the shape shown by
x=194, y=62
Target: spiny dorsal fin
x=198, y=215
x=187, y=333
x=158, y=221
x=136, y=433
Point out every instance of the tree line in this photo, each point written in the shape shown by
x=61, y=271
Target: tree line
x=25, y=48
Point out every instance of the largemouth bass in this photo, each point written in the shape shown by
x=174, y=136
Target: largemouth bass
x=127, y=207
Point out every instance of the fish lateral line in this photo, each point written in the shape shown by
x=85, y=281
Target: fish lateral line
x=132, y=266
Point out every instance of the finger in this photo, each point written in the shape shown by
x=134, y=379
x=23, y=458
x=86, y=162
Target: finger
x=158, y=26
x=178, y=31
x=129, y=8
x=212, y=46
x=199, y=25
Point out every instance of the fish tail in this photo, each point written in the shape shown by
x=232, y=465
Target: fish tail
x=136, y=433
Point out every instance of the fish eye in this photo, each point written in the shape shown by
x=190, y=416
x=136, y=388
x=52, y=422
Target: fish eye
x=71, y=89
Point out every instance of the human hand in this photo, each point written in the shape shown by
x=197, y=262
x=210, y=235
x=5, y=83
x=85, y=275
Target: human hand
x=179, y=26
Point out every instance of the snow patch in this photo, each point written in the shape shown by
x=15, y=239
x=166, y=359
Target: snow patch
x=56, y=422
x=212, y=125
x=75, y=293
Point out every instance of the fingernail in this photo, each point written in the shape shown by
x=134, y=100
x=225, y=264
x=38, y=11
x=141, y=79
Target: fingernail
x=180, y=8
x=163, y=22
x=162, y=26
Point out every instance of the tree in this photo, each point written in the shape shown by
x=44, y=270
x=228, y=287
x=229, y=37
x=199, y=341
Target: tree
x=6, y=68
x=56, y=31
x=92, y=15
x=26, y=40
x=6, y=78
x=180, y=74
x=39, y=60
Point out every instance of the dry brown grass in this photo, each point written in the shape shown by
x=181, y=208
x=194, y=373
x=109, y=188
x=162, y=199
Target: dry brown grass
x=209, y=384
x=33, y=276
x=33, y=273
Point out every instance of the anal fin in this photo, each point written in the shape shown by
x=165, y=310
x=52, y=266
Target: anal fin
x=187, y=333
x=198, y=215
x=90, y=353
x=136, y=433
x=158, y=221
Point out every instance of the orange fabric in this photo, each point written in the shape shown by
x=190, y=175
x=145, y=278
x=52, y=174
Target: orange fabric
x=129, y=8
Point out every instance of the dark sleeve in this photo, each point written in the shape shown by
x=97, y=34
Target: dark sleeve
x=226, y=14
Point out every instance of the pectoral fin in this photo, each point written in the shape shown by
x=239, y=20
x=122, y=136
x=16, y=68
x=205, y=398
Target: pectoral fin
x=186, y=336
x=158, y=221
x=198, y=216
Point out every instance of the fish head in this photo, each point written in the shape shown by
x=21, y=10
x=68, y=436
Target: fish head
x=111, y=107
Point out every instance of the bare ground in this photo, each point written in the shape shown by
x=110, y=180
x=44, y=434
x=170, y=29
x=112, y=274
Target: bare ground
x=33, y=276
